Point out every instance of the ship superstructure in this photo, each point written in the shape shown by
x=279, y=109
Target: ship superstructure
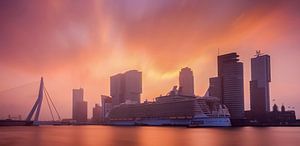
x=173, y=109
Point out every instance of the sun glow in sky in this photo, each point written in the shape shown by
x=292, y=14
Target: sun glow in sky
x=82, y=43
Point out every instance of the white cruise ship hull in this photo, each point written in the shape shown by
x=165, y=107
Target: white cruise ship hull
x=195, y=122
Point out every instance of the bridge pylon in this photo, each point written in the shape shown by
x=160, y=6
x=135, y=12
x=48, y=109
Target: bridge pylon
x=37, y=105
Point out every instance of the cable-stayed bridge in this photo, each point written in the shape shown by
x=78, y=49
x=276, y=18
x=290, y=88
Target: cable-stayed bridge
x=34, y=114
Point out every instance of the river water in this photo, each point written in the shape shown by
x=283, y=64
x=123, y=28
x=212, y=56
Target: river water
x=147, y=136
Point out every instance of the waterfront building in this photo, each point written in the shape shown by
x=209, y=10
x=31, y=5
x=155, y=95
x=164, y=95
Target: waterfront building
x=229, y=85
x=77, y=97
x=106, y=105
x=117, y=89
x=186, y=82
x=276, y=116
x=126, y=87
x=281, y=116
x=133, y=86
x=82, y=111
x=215, y=87
x=259, y=85
x=96, y=113
x=79, y=107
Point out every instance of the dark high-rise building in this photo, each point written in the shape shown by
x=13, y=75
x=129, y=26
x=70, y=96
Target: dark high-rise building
x=229, y=85
x=186, y=82
x=215, y=87
x=259, y=85
x=82, y=112
x=117, y=89
x=96, y=113
x=126, y=87
x=77, y=98
x=133, y=86
x=79, y=109
x=106, y=104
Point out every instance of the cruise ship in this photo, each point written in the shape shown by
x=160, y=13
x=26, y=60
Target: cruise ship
x=173, y=109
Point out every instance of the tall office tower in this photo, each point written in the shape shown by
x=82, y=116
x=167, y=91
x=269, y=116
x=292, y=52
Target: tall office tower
x=82, y=111
x=96, y=113
x=133, y=86
x=186, y=82
x=117, y=89
x=79, y=109
x=215, y=87
x=106, y=105
x=126, y=87
x=259, y=85
x=77, y=98
x=230, y=72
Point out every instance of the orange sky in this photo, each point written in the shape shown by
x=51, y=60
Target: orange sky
x=82, y=43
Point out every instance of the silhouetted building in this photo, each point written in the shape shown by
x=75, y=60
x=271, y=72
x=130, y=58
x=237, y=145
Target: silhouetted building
x=82, y=112
x=281, y=116
x=186, y=82
x=259, y=85
x=229, y=85
x=215, y=87
x=282, y=108
x=79, y=109
x=133, y=86
x=77, y=97
x=96, y=113
x=117, y=89
x=274, y=117
x=275, y=108
x=106, y=105
x=127, y=86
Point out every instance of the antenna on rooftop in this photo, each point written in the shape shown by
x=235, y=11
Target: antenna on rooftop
x=258, y=53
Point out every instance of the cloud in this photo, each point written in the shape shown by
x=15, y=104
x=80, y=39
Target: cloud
x=52, y=32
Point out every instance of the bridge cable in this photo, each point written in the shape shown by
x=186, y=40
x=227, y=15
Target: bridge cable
x=52, y=103
x=49, y=105
x=20, y=86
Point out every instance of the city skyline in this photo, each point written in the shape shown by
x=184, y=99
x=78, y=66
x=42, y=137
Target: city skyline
x=246, y=107
x=78, y=49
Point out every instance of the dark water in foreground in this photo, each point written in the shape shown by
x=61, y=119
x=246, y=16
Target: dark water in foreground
x=147, y=136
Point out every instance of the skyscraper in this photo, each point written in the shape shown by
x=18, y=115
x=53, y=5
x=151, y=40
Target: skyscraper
x=231, y=72
x=96, y=113
x=79, y=109
x=126, y=87
x=77, y=98
x=186, y=82
x=259, y=85
x=106, y=104
x=117, y=89
x=133, y=86
x=229, y=85
x=215, y=87
x=82, y=111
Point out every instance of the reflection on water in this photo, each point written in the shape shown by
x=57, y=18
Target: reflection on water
x=147, y=136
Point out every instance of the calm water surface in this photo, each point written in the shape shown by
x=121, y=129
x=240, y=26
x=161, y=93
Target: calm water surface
x=147, y=136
